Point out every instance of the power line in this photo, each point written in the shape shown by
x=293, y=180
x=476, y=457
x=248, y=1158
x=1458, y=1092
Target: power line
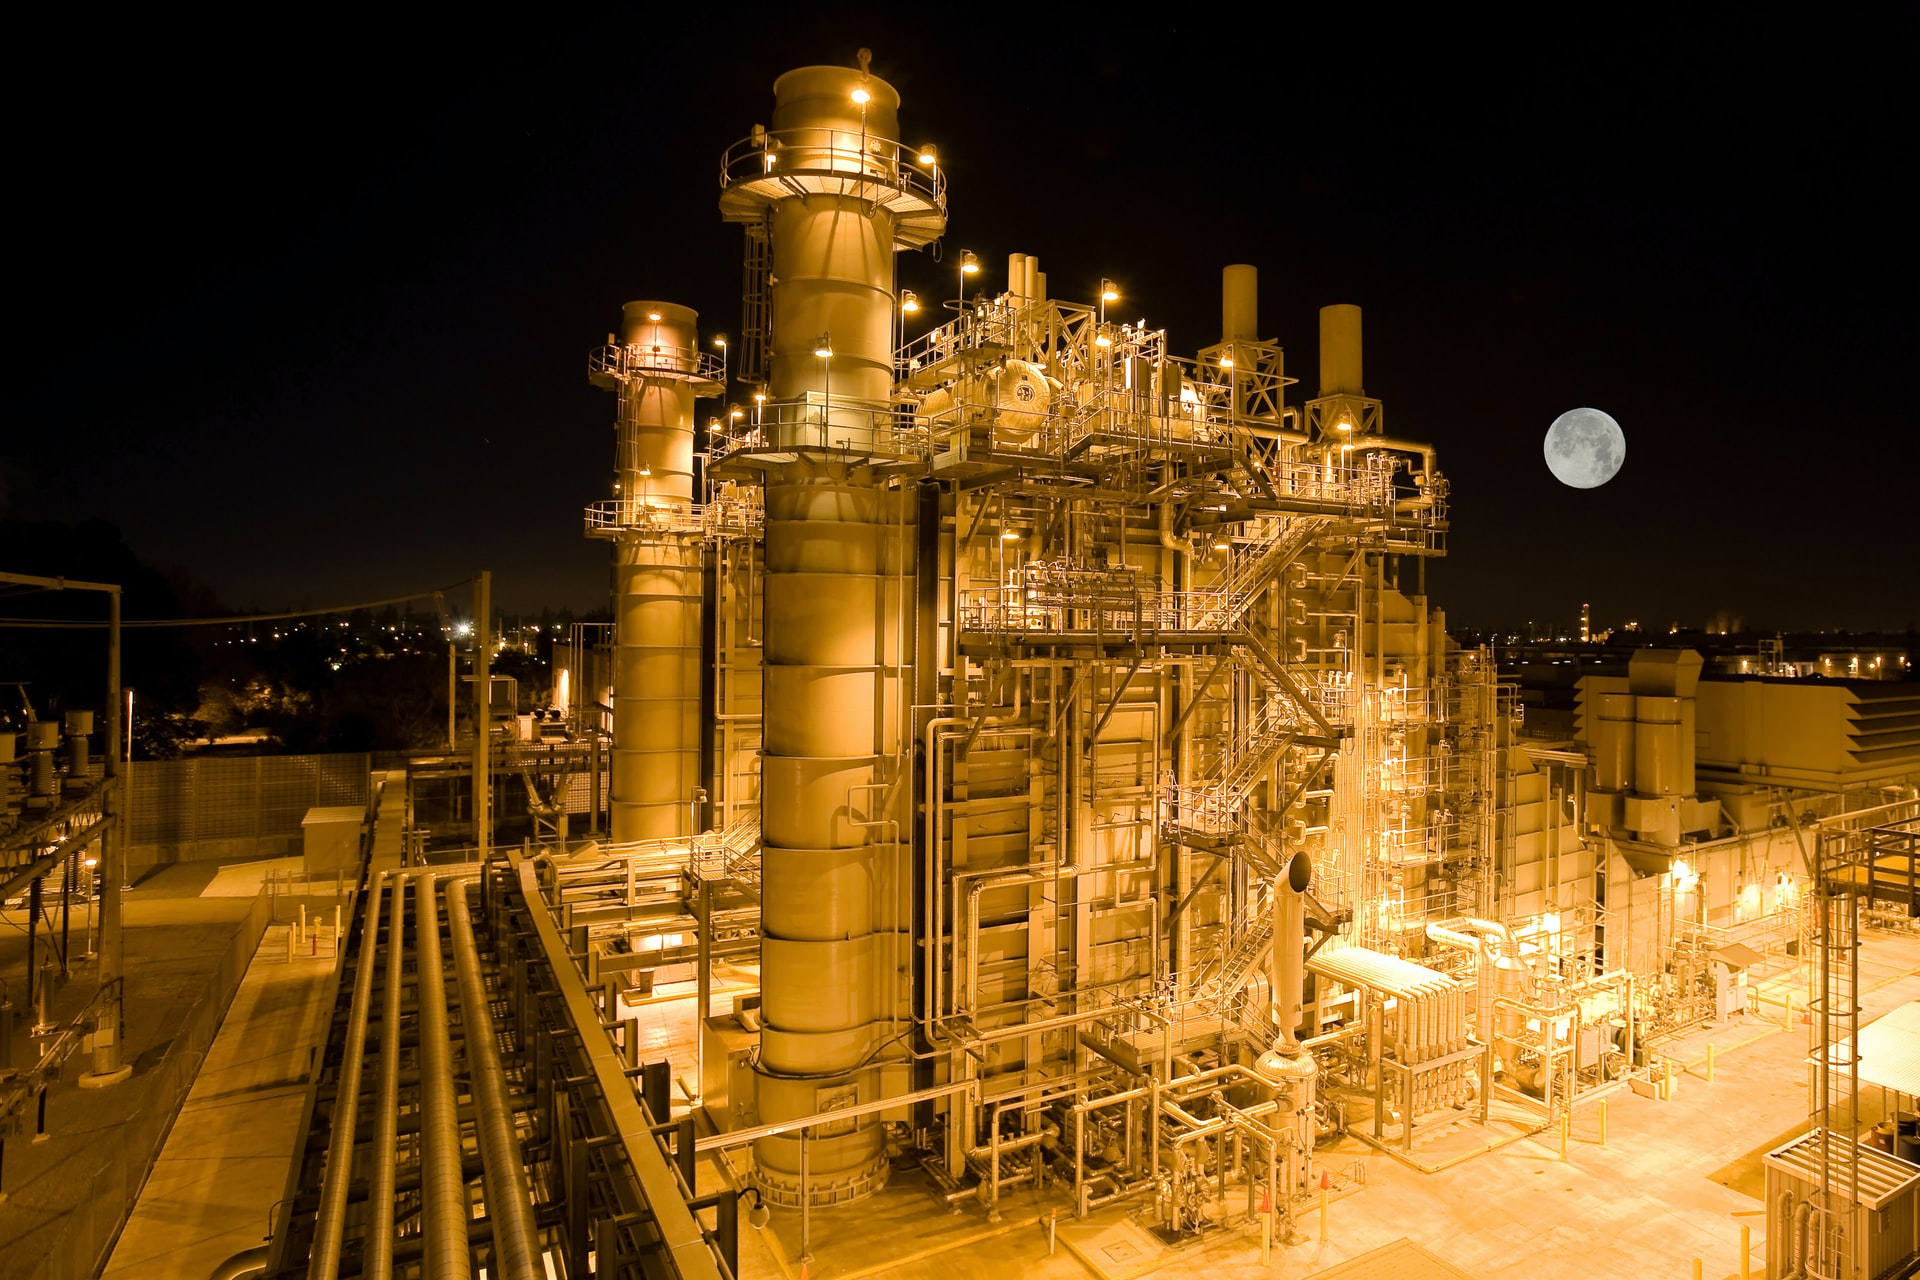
x=59, y=624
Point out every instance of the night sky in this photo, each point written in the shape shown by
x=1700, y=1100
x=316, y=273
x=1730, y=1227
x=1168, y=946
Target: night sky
x=307, y=315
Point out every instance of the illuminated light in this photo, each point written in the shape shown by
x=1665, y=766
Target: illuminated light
x=909, y=301
x=655, y=317
x=929, y=156
x=969, y=265
x=862, y=97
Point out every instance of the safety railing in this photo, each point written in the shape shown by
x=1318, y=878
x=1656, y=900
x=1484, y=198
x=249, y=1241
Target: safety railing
x=618, y=362
x=824, y=421
x=842, y=154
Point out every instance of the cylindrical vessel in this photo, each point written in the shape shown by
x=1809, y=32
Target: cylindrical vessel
x=1657, y=748
x=1340, y=350
x=835, y=558
x=835, y=902
x=1240, y=303
x=656, y=577
x=653, y=448
x=656, y=685
x=1613, y=732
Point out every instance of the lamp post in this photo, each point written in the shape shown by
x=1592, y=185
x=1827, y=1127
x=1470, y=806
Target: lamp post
x=909, y=304
x=823, y=347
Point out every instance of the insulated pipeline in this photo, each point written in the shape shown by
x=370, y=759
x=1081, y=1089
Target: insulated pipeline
x=377, y=1246
x=346, y=1103
x=443, y=1187
x=516, y=1239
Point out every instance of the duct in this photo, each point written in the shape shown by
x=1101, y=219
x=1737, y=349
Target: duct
x=377, y=1243
x=344, y=1121
x=516, y=1239
x=443, y=1188
x=657, y=579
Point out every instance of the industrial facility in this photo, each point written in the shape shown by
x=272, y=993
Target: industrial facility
x=1026, y=783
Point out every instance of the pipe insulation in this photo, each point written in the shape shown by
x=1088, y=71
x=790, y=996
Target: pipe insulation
x=516, y=1238
x=444, y=1211
x=344, y=1121
x=657, y=580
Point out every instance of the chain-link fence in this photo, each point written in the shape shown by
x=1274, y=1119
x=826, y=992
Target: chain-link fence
x=236, y=806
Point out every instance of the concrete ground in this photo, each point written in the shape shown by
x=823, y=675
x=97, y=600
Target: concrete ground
x=1644, y=1204
x=211, y=1192
x=188, y=936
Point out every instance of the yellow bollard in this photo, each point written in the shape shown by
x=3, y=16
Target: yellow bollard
x=1709, y=1064
x=1603, y=1122
x=1746, y=1251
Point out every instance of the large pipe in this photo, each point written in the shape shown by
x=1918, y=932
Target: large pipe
x=832, y=896
x=516, y=1239
x=1240, y=303
x=1340, y=350
x=443, y=1187
x=377, y=1243
x=658, y=590
x=1289, y=947
x=343, y=1123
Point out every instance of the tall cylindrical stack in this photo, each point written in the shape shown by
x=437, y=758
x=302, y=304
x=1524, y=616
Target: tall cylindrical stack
x=657, y=587
x=834, y=909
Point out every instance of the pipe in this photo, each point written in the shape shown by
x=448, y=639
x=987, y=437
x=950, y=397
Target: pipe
x=516, y=1238
x=443, y=1188
x=243, y=1265
x=378, y=1240
x=331, y=1219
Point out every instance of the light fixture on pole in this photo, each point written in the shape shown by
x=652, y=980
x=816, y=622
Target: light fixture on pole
x=823, y=348
x=909, y=303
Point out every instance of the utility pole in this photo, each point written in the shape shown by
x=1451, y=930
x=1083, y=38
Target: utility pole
x=482, y=715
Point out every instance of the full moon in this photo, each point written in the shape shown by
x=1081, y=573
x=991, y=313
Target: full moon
x=1585, y=448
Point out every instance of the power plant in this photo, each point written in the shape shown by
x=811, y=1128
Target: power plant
x=1037, y=781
